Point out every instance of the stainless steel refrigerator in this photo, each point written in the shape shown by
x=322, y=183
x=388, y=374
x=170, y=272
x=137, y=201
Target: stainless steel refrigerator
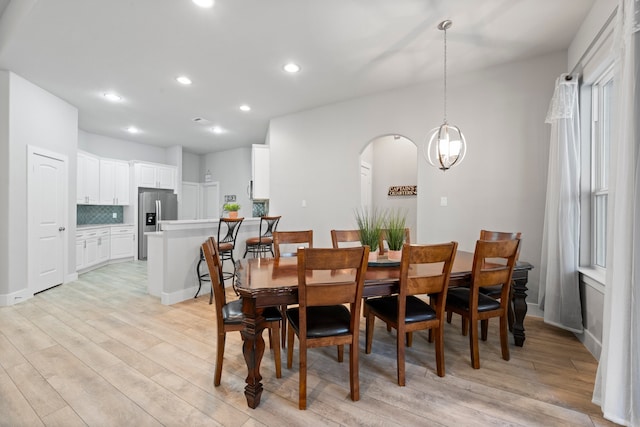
x=153, y=206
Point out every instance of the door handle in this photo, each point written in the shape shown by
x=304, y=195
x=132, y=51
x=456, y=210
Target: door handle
x=61, y=229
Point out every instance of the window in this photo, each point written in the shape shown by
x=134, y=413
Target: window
x=601, y=101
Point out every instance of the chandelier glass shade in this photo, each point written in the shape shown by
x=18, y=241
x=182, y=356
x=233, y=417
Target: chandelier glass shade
x=444, y=146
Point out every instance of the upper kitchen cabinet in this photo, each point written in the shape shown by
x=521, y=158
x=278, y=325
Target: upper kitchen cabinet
x=153, y=175
x=88, y=180
x=114, y=182
x=260, y=171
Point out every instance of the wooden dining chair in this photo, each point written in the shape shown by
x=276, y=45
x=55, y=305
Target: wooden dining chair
x=263, y=242
x=383, y=238
x=291, y=238
x=424, y=270
x=493, y=291
x=321, y=319
x=493, y=264
x=229, y=315
x=344, y=236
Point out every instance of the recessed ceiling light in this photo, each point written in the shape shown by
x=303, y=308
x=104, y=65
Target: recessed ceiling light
x=217, y=130
x=204, y=3
x=183, y=80
x=112, y=96
x=291, y=68
x=245, y=107
x=133, y=129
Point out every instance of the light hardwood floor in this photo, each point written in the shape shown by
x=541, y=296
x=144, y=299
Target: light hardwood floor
x=101, y=352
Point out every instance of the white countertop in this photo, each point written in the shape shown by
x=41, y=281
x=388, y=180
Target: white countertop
x=90, y=226
x=186, y=224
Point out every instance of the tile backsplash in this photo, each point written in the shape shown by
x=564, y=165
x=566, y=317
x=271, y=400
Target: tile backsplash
x=98, y=214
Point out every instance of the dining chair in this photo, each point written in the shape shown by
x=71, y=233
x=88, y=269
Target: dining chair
x=291, y=238
x=383, y=238
x=263, y=242
x=493, y=263
x=228, y=228
x=321, y=319
x=493, y=291
x=344, y=236
x=424, y=270
x=229, y=315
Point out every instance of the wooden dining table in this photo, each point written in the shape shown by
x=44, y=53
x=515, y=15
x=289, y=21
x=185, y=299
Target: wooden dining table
x=264, y=282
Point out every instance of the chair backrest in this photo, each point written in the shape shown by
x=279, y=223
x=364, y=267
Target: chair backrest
x=268, y=224
x=344, y=236
x=493, y=263
x=318, y=284
x=425, y=269
x=228, y=228
x=383, y=238
x=212, y=257
x=501, y=235
x=291, y=238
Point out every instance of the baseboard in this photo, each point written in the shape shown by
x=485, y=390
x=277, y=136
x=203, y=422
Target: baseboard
x=591, y=343
x=71, y=277
x=533, y=310
x=15, y=297
x=179, y=296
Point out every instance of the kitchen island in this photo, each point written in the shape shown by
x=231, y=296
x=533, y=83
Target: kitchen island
x=174, y=252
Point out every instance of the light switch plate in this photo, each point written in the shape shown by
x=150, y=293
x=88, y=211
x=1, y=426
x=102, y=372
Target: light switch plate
x=443, y=201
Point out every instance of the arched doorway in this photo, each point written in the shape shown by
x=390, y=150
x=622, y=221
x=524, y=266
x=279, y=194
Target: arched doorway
x=391, y=160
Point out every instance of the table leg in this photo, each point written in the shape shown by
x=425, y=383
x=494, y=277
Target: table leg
x=519, y=307
x=253, y=349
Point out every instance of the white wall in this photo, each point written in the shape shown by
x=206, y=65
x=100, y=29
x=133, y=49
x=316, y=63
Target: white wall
x=36, y=118
x=395, y=162
x=120, y=149
x=232, y=169
x=500, y=185
x=191, y=167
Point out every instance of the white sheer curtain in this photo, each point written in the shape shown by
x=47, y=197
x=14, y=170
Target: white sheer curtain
x=559, y=295
x=617, y=388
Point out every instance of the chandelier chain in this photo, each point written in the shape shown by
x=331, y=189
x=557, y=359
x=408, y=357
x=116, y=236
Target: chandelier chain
x=445, y=75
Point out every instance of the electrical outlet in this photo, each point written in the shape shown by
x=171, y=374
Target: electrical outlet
x=115, y=215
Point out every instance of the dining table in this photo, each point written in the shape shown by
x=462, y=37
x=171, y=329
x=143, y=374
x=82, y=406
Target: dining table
x=265, y=282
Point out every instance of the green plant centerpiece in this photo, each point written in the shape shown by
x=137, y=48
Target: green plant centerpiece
x=395, y=225
x=232, y=209
x=370, y=222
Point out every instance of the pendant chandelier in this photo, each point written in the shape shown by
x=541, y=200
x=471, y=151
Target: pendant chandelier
x=446, y=145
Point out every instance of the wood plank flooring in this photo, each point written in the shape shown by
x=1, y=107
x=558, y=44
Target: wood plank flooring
x=102, y=352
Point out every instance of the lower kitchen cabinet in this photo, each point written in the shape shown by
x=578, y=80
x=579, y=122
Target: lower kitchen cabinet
x=122, y=242
x=100, y=245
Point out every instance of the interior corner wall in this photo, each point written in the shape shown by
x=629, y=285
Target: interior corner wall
x=501, y=184
x=56, y=131
x=232, y=170
x=4, y=182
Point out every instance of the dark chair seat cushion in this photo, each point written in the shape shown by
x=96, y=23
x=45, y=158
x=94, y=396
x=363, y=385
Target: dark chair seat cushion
x=459, y=298
x=322, y=321
x=257, y=240
x=232, y=313
x=493, y=291
x=387, y=309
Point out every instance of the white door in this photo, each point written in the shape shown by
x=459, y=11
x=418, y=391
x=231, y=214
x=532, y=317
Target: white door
x=366, y=185
x=210, y=200
x=47, y=195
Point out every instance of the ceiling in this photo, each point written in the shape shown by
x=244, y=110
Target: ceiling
x=235, y=51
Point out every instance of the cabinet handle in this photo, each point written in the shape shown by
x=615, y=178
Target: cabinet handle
x=61, y=229
x=85, y=244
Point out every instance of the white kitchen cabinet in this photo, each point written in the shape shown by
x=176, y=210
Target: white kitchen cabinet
x=92, y=247
x=260, y=171
x=123, y=242
x=114, y=182
x=151, y=175
x=88, y=179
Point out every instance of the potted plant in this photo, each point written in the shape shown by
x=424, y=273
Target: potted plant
x=370, y=226
x=395, y=225
x=232, y=209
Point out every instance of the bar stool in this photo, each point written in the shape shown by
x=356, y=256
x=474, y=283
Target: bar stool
x=226, y=245
x=262, y=244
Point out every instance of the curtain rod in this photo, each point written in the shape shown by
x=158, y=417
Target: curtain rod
x=593, y=42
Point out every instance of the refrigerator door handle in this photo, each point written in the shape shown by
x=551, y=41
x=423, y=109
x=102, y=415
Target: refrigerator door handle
x=157, y=215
